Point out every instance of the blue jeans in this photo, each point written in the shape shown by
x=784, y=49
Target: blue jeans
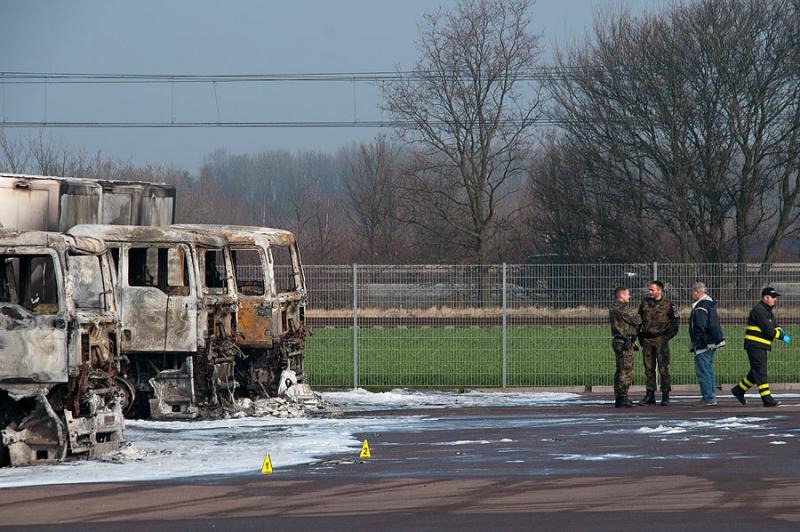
x=704, y=367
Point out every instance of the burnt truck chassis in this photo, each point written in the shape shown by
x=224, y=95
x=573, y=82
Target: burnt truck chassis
x=59, y=394
x=178, y=308
x=271, y=325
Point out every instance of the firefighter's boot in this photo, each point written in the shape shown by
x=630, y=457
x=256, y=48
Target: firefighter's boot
x=738, y=393
x=664, y=398
x=770, y=401
x=649, y=398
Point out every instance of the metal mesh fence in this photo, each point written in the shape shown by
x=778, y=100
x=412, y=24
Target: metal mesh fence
x=518, y=325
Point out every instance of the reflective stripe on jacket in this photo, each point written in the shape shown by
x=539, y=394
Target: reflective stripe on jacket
x=761, y=328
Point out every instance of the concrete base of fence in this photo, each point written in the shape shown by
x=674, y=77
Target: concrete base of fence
x=532, y=389
x=634, y=390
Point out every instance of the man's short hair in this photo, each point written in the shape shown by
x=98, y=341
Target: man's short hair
x=618, y=290
x=658, y=284
x=700, y=287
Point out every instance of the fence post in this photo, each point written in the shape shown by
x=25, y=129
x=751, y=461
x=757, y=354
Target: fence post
x=655, y=271
x=505, y=325
x=355, y=326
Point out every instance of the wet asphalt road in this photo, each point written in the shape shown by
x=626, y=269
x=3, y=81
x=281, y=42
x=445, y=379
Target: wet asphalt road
x=580, y=467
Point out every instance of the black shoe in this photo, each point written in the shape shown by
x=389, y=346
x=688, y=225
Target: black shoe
x=649, y=398
x=664, y=398
x=770, y=401
x=623, y=402
x=738, y=393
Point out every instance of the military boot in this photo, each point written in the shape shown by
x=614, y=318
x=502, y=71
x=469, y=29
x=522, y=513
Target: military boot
x=664, y=398
x=770, y=401
x=649, y=398
x=623, y=402
x=738, y=393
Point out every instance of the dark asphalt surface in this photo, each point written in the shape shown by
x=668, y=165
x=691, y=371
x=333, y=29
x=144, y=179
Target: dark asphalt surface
x=579, y=467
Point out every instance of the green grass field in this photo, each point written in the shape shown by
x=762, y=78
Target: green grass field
x=536, y=356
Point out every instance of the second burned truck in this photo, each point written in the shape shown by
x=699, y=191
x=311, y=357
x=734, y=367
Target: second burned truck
x=178, y=304
x=271, y=323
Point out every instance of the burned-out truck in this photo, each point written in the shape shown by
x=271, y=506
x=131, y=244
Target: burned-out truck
x=271, y=324
x=178, y=306
x=59, y=353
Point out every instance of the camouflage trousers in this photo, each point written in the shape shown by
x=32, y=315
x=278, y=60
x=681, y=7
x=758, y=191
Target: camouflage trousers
x=624, y=374
x=655, y=352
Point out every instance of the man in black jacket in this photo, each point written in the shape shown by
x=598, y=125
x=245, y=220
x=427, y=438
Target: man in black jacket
x=705, y=333
x=758, y=337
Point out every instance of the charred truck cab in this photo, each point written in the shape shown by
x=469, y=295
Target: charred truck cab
x=59, y=358
x=178, y=308
x=271, y=324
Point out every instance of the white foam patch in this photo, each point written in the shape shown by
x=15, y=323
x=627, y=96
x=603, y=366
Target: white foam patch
x=725, y=424
x=728, y=423
x=176, y=449
x=621, y=456
x=360, y=399
x=598, y=457
x=778, y=442
x=661, y=429
x=473, y=442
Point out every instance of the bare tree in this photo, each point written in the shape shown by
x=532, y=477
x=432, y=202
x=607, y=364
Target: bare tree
x=468, y=114
x=370, y=186
x=578, y=214
x=15, y=154
x=693, y=110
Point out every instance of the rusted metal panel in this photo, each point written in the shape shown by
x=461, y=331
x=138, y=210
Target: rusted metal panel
x=254, y=324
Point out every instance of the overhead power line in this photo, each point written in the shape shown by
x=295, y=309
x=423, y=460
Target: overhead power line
x=250, y=124
x=55, y=78
x=536, y=74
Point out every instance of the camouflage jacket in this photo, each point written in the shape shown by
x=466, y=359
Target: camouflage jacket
x=659, y=318
x=624, y=320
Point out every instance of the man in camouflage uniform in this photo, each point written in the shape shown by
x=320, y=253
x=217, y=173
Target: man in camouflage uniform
x=624, y=327
x=659, y=326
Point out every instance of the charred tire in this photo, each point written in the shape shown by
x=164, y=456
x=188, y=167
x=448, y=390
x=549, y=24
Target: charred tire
x=128, y=399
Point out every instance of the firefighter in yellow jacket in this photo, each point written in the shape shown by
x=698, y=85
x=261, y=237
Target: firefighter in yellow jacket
x=761, y=331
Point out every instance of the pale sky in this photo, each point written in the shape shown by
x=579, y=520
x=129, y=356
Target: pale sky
x=216, y=37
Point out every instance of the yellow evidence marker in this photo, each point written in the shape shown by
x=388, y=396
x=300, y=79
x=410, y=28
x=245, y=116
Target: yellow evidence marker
x=266, y=467
x=365, y=450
